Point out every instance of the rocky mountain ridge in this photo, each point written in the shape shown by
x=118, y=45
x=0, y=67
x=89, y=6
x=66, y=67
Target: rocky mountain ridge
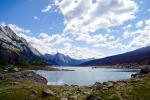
x=64, y=60
x=15, y=49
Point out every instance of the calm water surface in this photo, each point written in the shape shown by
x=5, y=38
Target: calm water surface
x=85, y=75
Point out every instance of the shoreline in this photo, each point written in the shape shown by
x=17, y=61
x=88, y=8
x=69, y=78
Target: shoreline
x=28, y=86
x=32, y=73
x=49, y=68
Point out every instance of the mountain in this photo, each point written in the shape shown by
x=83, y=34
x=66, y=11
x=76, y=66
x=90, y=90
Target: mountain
x=63, y=60
x=139, y=56
x=15, y=49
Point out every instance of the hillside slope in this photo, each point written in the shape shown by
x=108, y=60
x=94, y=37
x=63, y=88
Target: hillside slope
x=139, y=56
x=15, y=49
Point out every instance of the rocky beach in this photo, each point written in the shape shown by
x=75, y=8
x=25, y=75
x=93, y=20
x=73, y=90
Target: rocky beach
x=27, y=85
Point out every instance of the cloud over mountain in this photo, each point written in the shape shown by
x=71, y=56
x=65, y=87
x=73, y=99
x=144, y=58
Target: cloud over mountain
x=87, y=16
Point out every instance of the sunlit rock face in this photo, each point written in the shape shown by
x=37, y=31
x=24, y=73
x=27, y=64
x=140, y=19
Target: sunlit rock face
x=14, y=48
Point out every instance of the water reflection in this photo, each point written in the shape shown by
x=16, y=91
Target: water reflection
x=85, y=75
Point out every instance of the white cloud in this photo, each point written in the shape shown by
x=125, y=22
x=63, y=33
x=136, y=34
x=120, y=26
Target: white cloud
x=109, y=30
x=127, y=34
x=110, y=44
x=142, y=39
x=127, y=27
x=94, y=39
x=3, y=23
x=17, y=29
x=43, y=35
x=85, y=16
x=81, y=52
x=47, y=8
x=46, y=43
x=147, y=22
x=139, y=24
x=148, y=10
x=81, y=17
x=36, y=17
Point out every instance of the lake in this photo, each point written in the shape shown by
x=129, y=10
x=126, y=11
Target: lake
x=84, y=76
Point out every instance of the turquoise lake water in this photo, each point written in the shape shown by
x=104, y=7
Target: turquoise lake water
x=84, y=76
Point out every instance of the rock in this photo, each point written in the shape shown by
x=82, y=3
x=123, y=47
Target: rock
x=98, y=86
x=30, y=75
x=17, y=76
x=75, y=86
x=108, y=84
x=29, y=87
x=66, y=85
x=92, y=97
x=32, y=97
x=47, y=92
x=78, y=90
x=133, y=75
x=63, y=98
x=34, y=92
x=14, y=83
x=145, y=70
x=74, y=97
x=97, y=83
x=16, y=69
x=87, y=93
x=133, y=81
x=1, y=77
x=120, y=84
x=105, y=88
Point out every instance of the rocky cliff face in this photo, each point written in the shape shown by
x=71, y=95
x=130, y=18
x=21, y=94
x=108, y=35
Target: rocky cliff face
x=15, y=49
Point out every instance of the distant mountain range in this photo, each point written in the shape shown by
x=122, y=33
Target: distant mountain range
x=16, y=50
x=139, y=56
x=64, y=60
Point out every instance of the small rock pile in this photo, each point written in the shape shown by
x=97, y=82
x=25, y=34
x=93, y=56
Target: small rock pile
x=142, y=72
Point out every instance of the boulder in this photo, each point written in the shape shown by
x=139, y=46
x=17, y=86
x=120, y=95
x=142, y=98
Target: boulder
x=47, y=92
x=75, y=86
x=16, y=69
x=78, y=90
x=92, y=97
x=133, y=75
x=34, y=92
x=86, y=93
x=105, y=88
x=1, y=76
x=63, y=98
x=14, y=83
x=97, y=83
x=145, y=70
x=98, y=86
x=75, y=97
x=108, y=84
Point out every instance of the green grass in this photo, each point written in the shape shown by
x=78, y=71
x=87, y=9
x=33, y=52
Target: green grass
x=23, y=91
x=132, y=90
x=2, y=61
x=2, y=64
x=139, y=90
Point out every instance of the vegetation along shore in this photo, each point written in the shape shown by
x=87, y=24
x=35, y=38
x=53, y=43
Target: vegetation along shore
x=27, y=85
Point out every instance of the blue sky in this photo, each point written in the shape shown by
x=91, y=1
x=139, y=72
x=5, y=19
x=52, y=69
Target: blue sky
x=80, y=28
x=22, y=12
